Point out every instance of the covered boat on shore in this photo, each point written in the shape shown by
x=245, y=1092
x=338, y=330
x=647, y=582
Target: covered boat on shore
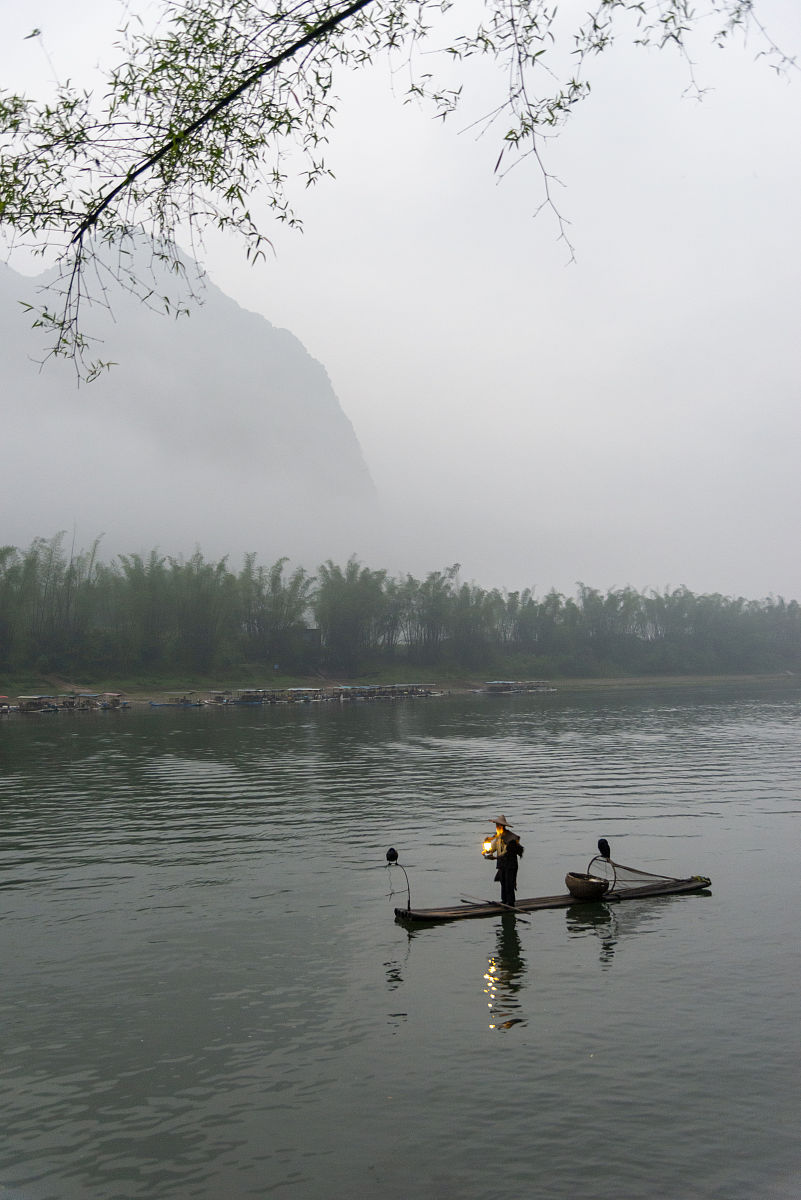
x=182, y=700
x=37, y=704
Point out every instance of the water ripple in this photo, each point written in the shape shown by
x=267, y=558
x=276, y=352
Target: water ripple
x=206, y=995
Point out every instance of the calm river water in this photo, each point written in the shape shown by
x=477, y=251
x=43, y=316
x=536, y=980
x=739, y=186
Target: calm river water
x=205, y=993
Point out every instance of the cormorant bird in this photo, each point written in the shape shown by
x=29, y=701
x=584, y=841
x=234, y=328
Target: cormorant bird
x=603, y=848
x=392, y=855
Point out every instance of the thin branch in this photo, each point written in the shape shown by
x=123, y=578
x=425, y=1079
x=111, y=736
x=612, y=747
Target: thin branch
x=314, y=35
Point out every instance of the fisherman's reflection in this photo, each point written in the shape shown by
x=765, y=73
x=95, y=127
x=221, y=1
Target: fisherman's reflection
x=503, y=981
x=597, y=919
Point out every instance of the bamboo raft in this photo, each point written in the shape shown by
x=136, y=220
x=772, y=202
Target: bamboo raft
x=460, y=912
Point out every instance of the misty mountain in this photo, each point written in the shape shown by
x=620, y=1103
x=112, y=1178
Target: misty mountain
x=218, y=430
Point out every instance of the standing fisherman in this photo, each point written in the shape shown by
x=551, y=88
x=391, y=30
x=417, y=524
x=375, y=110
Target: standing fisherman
x=505, y=848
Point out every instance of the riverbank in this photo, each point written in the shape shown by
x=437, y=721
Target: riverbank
x=138, y=691
x=783, y=679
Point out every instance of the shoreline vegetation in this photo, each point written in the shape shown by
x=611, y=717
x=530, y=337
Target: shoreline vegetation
x=148, y=624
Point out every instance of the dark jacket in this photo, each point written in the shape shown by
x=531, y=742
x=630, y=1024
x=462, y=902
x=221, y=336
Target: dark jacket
x=507, y=860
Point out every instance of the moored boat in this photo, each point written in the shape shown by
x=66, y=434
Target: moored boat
x=36, y=704
x=245, y=696
x=184, y=700
x=516, y=687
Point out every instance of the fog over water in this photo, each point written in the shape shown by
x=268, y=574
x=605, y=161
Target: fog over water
x=631, y=418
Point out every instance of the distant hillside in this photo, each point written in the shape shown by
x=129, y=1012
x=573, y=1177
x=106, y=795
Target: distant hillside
x=217, y=429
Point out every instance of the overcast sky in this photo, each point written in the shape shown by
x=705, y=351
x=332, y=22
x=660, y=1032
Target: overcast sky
x=630, y=418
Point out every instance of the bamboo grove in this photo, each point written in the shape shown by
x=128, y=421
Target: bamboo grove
x=69, y=613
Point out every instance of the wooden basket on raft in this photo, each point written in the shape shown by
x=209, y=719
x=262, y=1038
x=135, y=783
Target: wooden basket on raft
x=584, y=886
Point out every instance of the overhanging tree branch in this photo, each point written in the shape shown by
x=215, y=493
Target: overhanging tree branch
x=177, y=140
x=133, y=160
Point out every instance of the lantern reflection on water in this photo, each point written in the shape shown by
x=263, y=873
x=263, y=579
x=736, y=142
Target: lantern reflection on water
x=504, y=977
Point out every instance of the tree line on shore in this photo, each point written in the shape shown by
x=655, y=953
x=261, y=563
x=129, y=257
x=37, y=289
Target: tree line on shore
x=71, y=613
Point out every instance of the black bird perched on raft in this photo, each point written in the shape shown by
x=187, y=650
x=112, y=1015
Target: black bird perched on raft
x=392, y=855
x=603, y=848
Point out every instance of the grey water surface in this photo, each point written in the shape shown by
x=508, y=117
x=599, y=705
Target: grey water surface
x=205, y=994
